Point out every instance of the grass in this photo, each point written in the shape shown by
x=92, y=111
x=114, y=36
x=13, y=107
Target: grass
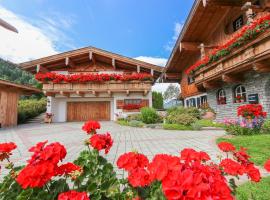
x=209, y=123
x=254, y=191
x=176, y=127
x=258, y=146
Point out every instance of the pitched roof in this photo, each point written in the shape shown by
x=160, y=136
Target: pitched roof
x=25, y=89
x=84, y=54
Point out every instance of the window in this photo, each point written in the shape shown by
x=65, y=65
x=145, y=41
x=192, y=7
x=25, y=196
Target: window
x=238, y=23
x=221, y=97
x=132, y=101
x=240, y=94
x=190, y=80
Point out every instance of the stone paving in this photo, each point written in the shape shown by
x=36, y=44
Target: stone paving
x=147, y=141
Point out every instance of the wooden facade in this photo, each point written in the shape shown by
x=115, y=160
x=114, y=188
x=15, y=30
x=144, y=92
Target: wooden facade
x=79, y=101
x=209, y=25
x=9, y=96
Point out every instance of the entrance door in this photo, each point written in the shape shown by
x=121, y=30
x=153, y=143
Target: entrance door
x=84, y=111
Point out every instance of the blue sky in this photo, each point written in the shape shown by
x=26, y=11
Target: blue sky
x=146, y=28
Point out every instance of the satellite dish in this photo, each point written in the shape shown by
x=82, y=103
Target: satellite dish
x=8, y=26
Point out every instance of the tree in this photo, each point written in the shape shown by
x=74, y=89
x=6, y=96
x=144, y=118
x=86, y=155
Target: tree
x=157, y=100
x=172, y=92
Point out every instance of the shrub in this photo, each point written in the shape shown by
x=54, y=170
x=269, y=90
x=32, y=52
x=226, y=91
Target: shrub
x=183, y=119
x=195, y=112
x=123, y=122
x=30, y=108
x=149, y=115
x=177, y=127
x=236, y=129
x=196, y=126
x=157, y=100
x=266, y=127
x=136, y=117
x=135, y=123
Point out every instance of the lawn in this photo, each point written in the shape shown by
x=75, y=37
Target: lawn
x=258, y=146
x=254, y=191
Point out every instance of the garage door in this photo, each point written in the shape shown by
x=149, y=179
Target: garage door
x=83, y=111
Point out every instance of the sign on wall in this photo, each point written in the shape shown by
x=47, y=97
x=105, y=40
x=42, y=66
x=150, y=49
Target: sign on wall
x=253, y=98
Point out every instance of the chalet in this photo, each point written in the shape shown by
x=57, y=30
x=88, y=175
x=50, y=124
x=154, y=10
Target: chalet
x=222, y=56
x=9, y=96
x=90, y=83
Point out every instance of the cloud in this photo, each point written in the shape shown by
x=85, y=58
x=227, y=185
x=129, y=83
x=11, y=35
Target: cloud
x=36, y=38
x=153, y=60
x=177, y=30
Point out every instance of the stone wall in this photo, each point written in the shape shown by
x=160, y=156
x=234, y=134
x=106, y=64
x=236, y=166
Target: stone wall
x=254, y=83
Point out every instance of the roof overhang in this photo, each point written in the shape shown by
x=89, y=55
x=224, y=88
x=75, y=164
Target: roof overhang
x=23, y=89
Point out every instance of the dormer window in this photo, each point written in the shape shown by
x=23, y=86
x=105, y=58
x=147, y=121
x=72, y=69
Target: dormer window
x=238, y=23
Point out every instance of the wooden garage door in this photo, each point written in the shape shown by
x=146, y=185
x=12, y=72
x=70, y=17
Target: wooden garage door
x=83, y=111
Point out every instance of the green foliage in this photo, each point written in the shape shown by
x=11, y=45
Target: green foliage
x=136, y=117
x=266, y=127
x=149, y=115
x=196, y=126
x=123, y=122
x=177, y=127
x=236, y=129
x=10, y=72
x=183, y=119
x=210, y=123
x=134, y=123
x=157, y=100
x=254, y=191
x=195, y=112
x=257, y=146
x=172, y=92
x=30, y=108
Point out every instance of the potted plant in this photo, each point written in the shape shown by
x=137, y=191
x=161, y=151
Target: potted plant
x=48, y=118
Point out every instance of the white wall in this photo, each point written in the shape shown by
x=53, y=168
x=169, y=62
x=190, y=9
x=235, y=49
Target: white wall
x=58, y=105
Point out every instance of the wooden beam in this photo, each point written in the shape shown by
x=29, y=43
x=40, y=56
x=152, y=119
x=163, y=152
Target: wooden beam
x=66, y=94
x=69, y=62
x=231, y=3
x=152, y=72
x=90, y=55
x=127, y=92
x=94, y=93
x=261, y=68
x=227, y=78
x=39, y=68
x=113, y=63
x=145, y=92
x=138, y=69
x=80, y=93
x=109, y=93
x=210, y=86
x=49, y=94
x=189, y=46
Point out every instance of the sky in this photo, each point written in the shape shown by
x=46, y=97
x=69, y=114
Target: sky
x=143, y=29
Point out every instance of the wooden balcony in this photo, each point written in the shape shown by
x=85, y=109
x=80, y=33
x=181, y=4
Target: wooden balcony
x=253, y=56
x=65, y=89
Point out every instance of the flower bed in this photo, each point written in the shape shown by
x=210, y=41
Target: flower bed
x=191, y=175
x=83, y=78
x=247, y=33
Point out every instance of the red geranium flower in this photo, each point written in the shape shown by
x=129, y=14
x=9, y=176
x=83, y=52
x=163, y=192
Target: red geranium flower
x=139, y=177
x=7, y=147
x=67, y=168
x=132, y=160
x=189, y=155
x=253, y=173
x=226, y=146
x=73, y=195
x=90, y=127
x=36, y=175
x=101, y=141
x=267, y=165
x=231, y=167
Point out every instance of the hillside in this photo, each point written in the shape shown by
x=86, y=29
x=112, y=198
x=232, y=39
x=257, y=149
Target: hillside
x=9, y=71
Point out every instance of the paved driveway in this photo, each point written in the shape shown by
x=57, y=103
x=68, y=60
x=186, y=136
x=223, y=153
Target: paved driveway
x=147, y=141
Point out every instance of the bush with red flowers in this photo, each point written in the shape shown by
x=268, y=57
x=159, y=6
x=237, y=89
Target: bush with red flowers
x=190, y=175
x=251, y=111
x=85, y=78
x=246, y=34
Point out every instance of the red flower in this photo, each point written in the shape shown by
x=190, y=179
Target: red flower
x=132, y=106
x=267, y=165
x=67, y=168
x=7, y=147
x=162, y=164
x=90, y=127
x=253, y=173
x=36, y=175
x=132, y=160
x=231, y=167
x=189, y=155
x=251, y=110
x=101, y=141
x=139, y=177
x=226, y=146
x=242, y=156
x=73, y=195
x=5, y=150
